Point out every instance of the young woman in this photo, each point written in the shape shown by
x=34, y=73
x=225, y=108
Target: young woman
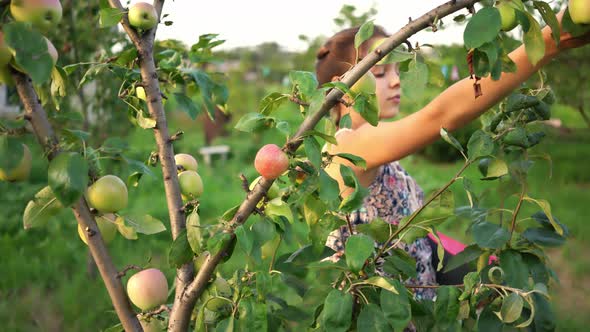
x=393, y=193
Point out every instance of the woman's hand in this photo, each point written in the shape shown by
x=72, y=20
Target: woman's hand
x=566, y=40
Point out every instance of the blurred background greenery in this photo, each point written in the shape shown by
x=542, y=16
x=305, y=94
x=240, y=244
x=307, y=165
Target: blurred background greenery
x=48, y=284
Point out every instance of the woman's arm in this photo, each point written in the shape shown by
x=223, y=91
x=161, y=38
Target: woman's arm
x=452, y=109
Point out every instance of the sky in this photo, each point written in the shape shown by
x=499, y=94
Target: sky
x=250, y=23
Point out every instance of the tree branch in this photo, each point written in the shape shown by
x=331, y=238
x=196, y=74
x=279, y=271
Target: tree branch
x=42, y=129
x=144, y=43
x=196, y=288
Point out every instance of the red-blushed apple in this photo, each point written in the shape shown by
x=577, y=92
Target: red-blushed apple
x=22, y=170
x=366, y=84
x=143, y=15
x=191, y=184
x=148, y=289
x=507, y=15
x=108, y=194
x=107, y=228
x=188, y=162
x=42, y=14
x=271, y=161
x=579, y=11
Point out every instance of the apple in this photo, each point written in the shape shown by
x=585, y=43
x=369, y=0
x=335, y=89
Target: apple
x=107, y=229
x=42, y=14
x=271, y=161
x=22, y=171
x=5, y=53
x=273, y=191
x=507, y=15
x=366, y=84
x=579, y=11
x=140, y=93
x=188, y=162
x=148, y=288
x=191, y=185
x=142, y=15
x=108, y=194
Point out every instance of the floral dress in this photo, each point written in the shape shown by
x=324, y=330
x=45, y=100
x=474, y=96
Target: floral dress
x=393, y=195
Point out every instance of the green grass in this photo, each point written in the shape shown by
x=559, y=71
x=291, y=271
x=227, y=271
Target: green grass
x=44, y=285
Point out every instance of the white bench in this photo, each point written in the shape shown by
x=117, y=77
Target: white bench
x=208, y=151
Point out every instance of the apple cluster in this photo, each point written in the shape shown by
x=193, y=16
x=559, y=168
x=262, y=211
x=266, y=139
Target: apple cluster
x=42, y=15
x=191, y=184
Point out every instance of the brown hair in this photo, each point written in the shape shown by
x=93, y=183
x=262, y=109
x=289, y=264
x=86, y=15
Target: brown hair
x=336, y=56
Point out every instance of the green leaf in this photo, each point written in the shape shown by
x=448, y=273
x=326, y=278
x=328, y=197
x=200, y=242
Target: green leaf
x=364, y=33
x=328, y=190
x=395, y=56
x=11, y=152
x=252, y=122
x=32, y=53
x=145, y=224
x=491, y=50
x=337, y=313
x=358, y=249
x=271, y=102
x=385, y=283
x=450, y=139
x=543, y=237
x=355, y=160
x=480, y=145
x=549, y=18
x=109, y=17
x=516, y=272
x=488, y=235
x=59, y=79
x=67, y=175
x=245, y=239
x=180, y=252
x=488, y=321
x=446, y=306
x=372, y=318
x=366, y=106
x=276, y=207
x=518, y=101
x=396, y=307
x=328, y=138
x=533, y=41
x=193, y=231
x=496, y=168
x=541, y=218
x=546, y=207
x=41, y=208
x=305, y=81
x=400, y=262
x=125, y=229
x=313, y=151
x=574, y=29
x=377, y=229
x=345, y=121
x=511, y=308
x=253, y=315
x=544, y=318
x=354, y=200
x=483, y=27
x=414, y=80
x=187, y=105
x=145, y=122
x=469, y=254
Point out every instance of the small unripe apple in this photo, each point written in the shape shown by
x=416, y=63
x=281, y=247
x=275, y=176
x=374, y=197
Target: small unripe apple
x=191, y=185
x=143, y=15
x=366, y=84
x=42, y=14
x=22, y=171
x=108, y=194
x=273, y=191
x=5, y=53
x=188, y=162
x=148, y=289
x=579, y=11
x=507, y=15
x=271, y=161
x=108, y=230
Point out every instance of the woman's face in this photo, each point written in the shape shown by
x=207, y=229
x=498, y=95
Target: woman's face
x=388, y=89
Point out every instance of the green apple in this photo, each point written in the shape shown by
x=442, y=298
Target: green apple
x=507, y=15
x=142, y=15
x=108, y=194
x=366, y=84
x=271, y=161
x=191, y=185
x=22, y=171
x=188, y=162
x=5, y=53
x=148, y=289
x=579, y=11
x=42, y=14
x=107, y=229
x=273, y=191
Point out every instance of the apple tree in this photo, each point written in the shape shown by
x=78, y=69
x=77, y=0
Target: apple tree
x=284, y=280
